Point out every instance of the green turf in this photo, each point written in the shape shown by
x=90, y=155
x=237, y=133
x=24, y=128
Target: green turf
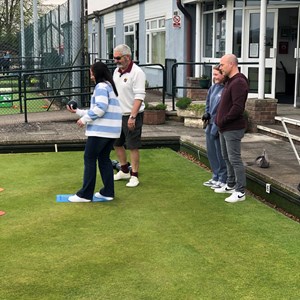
x=169, y=238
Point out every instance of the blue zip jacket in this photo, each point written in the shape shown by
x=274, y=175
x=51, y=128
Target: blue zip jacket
x=212, y=102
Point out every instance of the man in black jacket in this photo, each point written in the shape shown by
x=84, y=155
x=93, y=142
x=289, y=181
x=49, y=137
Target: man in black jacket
x=231, y=123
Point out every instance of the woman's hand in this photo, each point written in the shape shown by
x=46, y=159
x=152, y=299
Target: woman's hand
x=70, y=109
x=80, y=123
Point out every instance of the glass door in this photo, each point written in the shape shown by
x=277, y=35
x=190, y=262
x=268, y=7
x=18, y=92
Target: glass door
x=251, y=50
x=297, y=72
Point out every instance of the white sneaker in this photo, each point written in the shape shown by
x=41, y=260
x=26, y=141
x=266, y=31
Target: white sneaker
x=98, y=195
x=236, y=197
x=133, y=182
x=75, y=198
x=121, y=175
x=225, y=189
x=218, y=185
x=210, y=182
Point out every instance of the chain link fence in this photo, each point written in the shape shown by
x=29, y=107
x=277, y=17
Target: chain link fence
x=45, y=63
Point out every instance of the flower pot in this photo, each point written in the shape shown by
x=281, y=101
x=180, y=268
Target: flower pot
x=191, y=118
x=204, y=83
x=154, y=117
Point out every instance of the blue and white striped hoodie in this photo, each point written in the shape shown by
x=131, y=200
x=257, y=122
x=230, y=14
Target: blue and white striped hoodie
x=104, y=118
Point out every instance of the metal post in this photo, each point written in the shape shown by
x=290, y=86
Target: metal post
x=35, y=34
x=22, y=35
x=197, y=42
x=262, y=49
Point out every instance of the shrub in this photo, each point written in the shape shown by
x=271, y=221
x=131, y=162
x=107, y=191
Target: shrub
x=197, y=107
x=159, y=106
x=183, y=103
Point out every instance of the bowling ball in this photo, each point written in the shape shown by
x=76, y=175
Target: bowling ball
x=72, y=104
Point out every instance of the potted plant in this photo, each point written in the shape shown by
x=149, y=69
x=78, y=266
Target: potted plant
x=155, y=114
x=204, y=82
x=183, y=103
x=191, y=113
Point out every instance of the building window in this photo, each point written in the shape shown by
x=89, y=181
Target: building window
x=253, y=80
x=220, y=35
x=131, y=38
x=110, y=42
x=208, y=34
x=238, y=3
x=220, y=4
x=93, y=47
x=237, y=32
x=252, y=2
x=214, y=33
x=156, y=41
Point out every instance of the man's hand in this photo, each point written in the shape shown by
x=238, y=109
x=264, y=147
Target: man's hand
x=131, y=123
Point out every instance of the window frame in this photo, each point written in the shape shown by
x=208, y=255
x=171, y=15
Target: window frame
x=107, y=52
x=154, y=26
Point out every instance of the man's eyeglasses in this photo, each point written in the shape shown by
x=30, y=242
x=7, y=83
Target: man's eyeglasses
x=118, y=57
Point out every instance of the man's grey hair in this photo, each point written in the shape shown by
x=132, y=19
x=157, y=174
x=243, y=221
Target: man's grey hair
x=123, y=49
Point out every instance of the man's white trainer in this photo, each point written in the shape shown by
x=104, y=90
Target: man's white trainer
x=225, y=189
x=236, y=197
x=133, y=182
x=121, y=175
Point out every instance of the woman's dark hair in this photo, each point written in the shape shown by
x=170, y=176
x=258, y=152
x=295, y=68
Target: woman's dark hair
x=102, y=74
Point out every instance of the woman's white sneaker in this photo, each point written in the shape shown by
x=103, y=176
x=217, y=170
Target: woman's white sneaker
x=98, y=195
x=218, y=185
x=210, y=182
x=75, y=199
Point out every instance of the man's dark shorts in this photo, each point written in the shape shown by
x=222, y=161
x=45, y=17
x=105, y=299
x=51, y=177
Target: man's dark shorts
x=131, y=139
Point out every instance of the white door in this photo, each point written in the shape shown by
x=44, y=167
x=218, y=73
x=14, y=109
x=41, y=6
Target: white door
x=297, y=72
x=251, y=50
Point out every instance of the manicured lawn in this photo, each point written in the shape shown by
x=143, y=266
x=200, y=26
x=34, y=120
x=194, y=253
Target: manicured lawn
x=169, y=238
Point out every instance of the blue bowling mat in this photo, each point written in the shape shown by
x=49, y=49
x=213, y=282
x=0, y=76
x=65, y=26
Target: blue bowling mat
x=64, y=198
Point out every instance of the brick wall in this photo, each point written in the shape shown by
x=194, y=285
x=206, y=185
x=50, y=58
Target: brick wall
x=261, y=111
x=195, y=94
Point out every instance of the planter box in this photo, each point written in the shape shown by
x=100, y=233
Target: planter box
x=191, y=118
x=154, y=117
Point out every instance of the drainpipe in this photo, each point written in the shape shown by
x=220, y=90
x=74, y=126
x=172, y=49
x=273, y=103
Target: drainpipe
x=188, y=36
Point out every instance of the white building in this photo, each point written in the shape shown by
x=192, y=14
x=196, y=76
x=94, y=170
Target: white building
x=203, y=31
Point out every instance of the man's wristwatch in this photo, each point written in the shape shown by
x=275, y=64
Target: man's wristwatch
x=132, y=117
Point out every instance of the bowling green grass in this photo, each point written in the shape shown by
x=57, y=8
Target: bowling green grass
x=169, y=238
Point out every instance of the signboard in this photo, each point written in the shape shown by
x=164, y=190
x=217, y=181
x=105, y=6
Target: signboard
x=5, y=98
x=176, y=21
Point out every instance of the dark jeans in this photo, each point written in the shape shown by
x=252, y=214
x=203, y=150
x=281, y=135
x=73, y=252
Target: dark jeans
x=97, y=149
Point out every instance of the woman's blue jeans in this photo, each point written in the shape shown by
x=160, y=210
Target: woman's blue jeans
x=97, y=149
x=216, y=161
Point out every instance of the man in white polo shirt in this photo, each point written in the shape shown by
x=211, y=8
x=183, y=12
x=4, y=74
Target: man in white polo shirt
x=130, y=82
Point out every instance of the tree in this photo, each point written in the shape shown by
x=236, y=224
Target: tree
x=10, y=22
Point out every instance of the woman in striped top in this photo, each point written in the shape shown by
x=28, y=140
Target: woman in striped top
x=103, y=125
